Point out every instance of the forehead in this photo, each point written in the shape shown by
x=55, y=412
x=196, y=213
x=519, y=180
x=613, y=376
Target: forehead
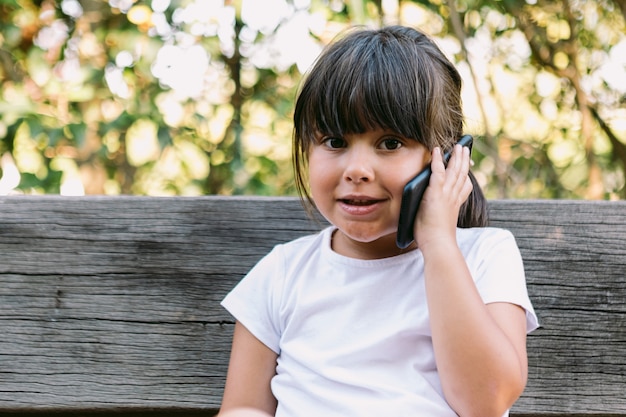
x=368, y=82
x=370, y=133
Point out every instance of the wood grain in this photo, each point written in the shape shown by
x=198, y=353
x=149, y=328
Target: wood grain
x=575, y=259
x=112, y=303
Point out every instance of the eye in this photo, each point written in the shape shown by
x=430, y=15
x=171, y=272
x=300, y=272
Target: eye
x=391, y=144
x=334, y=143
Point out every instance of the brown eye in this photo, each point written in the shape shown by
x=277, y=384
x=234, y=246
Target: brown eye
x=390, y=144
x=335, y=143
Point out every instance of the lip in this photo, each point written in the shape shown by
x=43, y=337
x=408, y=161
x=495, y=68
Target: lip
x=358, y=205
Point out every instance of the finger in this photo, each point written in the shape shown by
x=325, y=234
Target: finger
x=455, y=165
x=467, y=160
x=467, y=186
x=459, y=168
x=436, y=163
x=438, y=168
x=458, y=158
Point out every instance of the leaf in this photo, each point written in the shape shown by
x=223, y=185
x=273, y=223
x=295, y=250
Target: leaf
x=79, y=133
x=164, y=136
x=34, y=126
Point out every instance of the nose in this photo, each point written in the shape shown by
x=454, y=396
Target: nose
x=359, y=166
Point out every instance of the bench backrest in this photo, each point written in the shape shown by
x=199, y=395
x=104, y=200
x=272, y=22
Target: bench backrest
x=112, y=303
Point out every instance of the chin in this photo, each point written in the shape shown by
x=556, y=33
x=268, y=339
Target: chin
x=364, y=237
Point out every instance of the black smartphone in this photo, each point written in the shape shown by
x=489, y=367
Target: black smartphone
x=412, y=196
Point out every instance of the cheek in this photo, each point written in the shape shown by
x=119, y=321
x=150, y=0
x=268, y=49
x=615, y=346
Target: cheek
x=321, y=175
x=413, y=166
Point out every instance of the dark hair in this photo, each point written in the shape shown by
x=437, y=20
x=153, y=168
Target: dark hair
x=392, y=78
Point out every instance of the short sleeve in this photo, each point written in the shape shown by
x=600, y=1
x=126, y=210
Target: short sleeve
x=254, y=301
x=499, y=273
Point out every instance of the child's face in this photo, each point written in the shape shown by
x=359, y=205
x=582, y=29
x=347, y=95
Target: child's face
x=356, y=182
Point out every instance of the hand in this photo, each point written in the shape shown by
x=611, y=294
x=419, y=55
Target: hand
x=447, y=190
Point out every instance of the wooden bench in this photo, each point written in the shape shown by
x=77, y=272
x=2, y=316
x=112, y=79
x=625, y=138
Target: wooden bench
x=110, y=305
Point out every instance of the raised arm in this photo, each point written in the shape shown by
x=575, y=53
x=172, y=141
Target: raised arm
x=251, y=368
x=480, y=349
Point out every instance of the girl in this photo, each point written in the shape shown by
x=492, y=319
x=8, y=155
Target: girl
x=343, y=323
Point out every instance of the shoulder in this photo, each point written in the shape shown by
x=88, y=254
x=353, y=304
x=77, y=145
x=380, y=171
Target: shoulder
x=257, y=300
x=284, y=256
x=303, y=246
x=484, y=233
x=305, y=242
x=489, y=248
x=496, y=264
x=484, y=237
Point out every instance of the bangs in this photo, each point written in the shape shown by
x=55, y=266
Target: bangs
x=395, y=79
x=372, y=83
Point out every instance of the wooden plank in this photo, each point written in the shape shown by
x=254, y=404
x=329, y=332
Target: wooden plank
x=111, y=303
x=575, y=260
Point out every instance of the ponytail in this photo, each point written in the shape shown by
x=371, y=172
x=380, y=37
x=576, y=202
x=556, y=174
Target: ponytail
x=473, y=212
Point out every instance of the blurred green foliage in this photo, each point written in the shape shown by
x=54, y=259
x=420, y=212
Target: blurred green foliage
x=183, y=97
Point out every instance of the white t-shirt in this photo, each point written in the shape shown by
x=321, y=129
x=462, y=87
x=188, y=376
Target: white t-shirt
x=353, y=336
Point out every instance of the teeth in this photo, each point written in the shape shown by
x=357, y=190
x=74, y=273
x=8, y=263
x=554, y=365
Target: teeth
x=359, y=202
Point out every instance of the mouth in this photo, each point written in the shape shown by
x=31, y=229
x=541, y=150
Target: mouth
x=360, y=206
x=359, y=201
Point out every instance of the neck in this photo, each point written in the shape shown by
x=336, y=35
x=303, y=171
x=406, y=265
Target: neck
x=384, y=247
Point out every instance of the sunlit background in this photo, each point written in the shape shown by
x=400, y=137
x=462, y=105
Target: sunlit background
x=170, y=97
